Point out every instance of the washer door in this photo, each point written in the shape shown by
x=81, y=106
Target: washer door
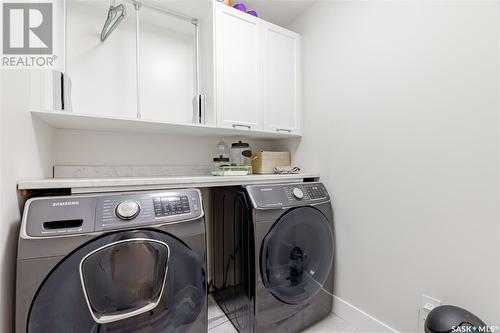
x=133, y=281
x=297, y=255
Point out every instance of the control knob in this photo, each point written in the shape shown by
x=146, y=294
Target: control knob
x=127, y=210
x=297, y=193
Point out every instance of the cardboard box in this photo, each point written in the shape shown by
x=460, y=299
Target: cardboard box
x=266, y=161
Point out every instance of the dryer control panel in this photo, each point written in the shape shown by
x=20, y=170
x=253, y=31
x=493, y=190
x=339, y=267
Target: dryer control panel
x=287, y=195
x=70, y=215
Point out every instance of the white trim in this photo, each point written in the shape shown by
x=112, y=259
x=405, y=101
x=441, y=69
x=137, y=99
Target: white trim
x=361, y=320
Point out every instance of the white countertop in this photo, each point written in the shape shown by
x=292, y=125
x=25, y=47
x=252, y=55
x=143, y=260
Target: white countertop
x=88, y=185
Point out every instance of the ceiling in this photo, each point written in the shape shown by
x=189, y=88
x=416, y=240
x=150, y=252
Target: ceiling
x=280, y=12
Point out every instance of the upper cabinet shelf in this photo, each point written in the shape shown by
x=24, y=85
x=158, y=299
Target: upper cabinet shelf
x=72, y=120
x=238, y=73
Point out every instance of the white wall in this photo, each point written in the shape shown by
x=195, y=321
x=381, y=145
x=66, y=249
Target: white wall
x=73, y=147
x=401, y=119
x=25, y=154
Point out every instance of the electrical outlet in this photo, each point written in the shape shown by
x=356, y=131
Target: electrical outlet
x=427, y=304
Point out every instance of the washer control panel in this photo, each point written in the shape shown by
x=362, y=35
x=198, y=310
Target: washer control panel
x=270, y=196
x=70, y=215
x=317, y=192
x=149, y=208
x=171, y=205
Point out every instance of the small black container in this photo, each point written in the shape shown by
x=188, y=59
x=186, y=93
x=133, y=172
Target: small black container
x=449, y=318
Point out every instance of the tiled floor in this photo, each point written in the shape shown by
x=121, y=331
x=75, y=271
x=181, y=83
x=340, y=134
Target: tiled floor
x=331, y=324
x=218, y=323
x=217, y=320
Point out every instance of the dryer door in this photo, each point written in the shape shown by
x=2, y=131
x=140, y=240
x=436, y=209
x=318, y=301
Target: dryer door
x=297, y=255
x=133, y=281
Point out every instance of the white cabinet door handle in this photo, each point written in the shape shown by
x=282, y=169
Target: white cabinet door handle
x=283, y=130
x=241, y=125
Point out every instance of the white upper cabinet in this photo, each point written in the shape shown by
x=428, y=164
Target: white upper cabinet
x=222, y=69
x=257, y=73
x=238, y=69
x=281, y=52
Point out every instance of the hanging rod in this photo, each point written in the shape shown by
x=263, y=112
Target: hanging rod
x=199, y=97
x=165, y=11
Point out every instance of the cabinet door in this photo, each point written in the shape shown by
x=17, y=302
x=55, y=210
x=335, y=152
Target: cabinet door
x=238, y=69
x=102, y=74
x=281, y=64
x=166, y=71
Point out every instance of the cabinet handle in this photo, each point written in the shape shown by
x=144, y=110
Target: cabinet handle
x=241, y=125
x=283, y=130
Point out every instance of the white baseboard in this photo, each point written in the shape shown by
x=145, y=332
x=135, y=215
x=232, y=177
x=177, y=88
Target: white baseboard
x=361, y=320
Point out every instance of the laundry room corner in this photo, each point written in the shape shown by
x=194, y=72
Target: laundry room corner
x=250, y=166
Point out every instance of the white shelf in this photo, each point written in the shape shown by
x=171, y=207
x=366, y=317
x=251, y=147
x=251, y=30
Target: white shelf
x=79, y=121
x=93, y=185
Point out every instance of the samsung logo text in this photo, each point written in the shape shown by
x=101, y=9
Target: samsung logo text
x=65, y=203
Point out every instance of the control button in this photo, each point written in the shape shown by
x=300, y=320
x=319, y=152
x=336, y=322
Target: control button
x=297, y=193
x=316, y=192
x=127, y=210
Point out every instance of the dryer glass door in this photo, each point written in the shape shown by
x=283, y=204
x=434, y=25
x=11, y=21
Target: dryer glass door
x=127, y=282
x=297, y=255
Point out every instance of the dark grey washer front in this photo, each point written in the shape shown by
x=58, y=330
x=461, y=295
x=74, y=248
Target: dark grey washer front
x=81, y=268
x=290, y=236
x=294, y=256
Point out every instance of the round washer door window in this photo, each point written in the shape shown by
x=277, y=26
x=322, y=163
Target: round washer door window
x=127, y=282
x=297, y=255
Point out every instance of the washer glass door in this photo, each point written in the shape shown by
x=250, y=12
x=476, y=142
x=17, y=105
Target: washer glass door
x=125, y=278
x=297, y=255
x=127, y=282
